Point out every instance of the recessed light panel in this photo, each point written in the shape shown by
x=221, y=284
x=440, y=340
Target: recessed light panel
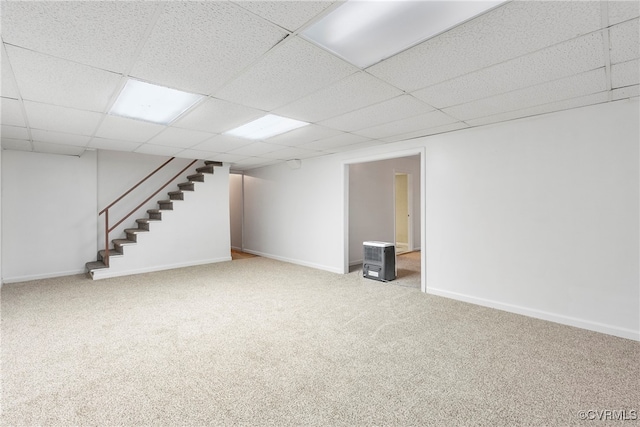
x=266, y=127
x=366, y=32
x=152, y=103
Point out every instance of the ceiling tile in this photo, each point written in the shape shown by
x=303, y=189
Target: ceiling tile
x=426, y=132
x=14, y=132
x=226, y=157
x=121, y=128
x=303, y=135
x=357, y=146
x=341, y=140
x=16, y=144
x=562, y=60
x=217, y=116
x=113, y=144
x=198, y=46
x=625, y=74
x=514, y=29
x=59, y=138
x=254, y=162
x=411, y=124
x=394, y=109
x=287, y=14
x=542, y=109
x=181, y=138
x=12, y=113
x=8, y=86
x=557, y=90
x=291, y=70
x=222, y=143
x=67, y=150
x=43, y=78
x=625, y=92
x=625, y=41
x=256, y=149
x=61, y=119
x=195, y=154
x=624, y=10
x=352, y=93
x=293, y=153
x=157, y=150
x=101, y=34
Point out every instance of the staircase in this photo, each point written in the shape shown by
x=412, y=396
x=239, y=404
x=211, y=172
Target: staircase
x=143, y=225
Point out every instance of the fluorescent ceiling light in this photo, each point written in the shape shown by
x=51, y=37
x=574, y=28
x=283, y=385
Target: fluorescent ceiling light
x=265, y=127
x=157, y=104
x=366, y=32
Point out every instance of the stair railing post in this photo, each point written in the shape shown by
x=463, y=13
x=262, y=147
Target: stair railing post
x=106, y=237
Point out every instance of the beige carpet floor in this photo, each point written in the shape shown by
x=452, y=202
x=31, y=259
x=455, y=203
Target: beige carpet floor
x=257, y=342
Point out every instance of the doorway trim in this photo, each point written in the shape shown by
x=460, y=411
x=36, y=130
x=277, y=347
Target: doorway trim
x=345, y=201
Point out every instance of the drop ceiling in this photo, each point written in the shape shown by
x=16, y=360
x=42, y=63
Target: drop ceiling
x=64, y=63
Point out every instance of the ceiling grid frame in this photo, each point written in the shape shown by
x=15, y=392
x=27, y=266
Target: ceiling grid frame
x=606, y=43
x=339, y=132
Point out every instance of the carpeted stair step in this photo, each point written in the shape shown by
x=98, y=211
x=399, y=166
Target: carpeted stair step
x=143, y=223
x=205, y=169
x=119, y=244
x=155, y=214
x=132, y=233
x=95, y=265
x=187, y=186
x=176, y=195
x=165, y=205
x=113, y=253
x=212, y=163
x=198, y=177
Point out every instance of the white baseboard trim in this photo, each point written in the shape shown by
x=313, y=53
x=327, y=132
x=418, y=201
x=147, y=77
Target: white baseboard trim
x=105, y=273
x=30, y=277
x=357, y=262
x=539, y=314
x=295, y=261
x=236, y=248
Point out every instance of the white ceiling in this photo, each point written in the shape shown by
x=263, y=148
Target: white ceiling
x=64, y=63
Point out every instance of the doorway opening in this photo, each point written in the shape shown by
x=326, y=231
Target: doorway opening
x=403, y=212
x=370, y=211
x=236, y=216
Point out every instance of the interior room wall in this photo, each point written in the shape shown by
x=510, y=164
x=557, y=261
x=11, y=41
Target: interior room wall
x=540, y=216
x=1, y=276
x=49, y=214
x=51, y=227
x=119, y=171
x=294, y=214
x=194, y=232
x=537, y=216
x=235, y=210
x=372, y=204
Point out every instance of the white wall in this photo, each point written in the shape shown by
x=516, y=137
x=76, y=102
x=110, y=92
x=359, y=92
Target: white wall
x=118, y=172
x=1, y=276
x=372, y=204
x=50, y=206
x=195, y=232
x=540, y=216
x=49, y=214
x=235, y=210
x=537, y=216
x=294, y=214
